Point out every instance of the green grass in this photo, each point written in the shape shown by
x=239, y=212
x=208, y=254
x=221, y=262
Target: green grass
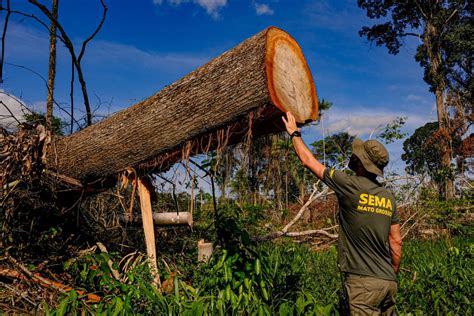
x=444, y=278
x=284, y=279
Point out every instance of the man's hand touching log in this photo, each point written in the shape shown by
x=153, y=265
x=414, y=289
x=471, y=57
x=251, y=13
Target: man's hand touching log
x=290, y=123
x=303, y=152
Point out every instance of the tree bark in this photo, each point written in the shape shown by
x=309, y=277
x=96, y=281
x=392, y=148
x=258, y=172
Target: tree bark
x=238, y=95
x=52, y=67
x=434, y=55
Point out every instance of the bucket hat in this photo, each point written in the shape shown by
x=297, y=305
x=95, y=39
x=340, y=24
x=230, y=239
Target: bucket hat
x=372, y=154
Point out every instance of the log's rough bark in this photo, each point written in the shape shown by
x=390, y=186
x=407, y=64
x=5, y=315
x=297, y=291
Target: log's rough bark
x=239, y=94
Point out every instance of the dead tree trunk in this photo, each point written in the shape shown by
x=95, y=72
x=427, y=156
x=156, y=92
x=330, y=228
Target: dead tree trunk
x=52, y=67
x=238, y=95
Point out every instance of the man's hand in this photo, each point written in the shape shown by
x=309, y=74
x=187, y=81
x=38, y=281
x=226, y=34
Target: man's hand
x=290, y=123
x=303, y=152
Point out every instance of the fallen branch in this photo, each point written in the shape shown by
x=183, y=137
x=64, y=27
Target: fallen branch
x=314, y=232
x=63, y=178
x=115, y=273
x=313, y=197
x=36, y=277
x=10, y=273
x=413, y=215
x=467, y=182
x=21, y=294
x=284, y=232
x=280, y=233
x=410, y=271
x=414, y=224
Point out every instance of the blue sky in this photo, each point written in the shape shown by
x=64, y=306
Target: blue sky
x=148, y=44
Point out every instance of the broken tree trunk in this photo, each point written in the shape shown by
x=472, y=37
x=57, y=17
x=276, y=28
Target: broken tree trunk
x=239, y=94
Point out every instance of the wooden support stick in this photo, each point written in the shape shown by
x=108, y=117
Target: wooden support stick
x=147, y=219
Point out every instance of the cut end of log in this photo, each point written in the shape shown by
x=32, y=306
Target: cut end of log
x=290, y=82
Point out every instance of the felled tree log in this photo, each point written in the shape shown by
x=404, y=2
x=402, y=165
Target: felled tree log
x=166, y=218
x=239, y=94
x=173, y=218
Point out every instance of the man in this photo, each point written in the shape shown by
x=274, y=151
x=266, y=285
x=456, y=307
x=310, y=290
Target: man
x=369, y=245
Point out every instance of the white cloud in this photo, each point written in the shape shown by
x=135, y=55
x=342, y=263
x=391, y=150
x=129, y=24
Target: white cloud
x=366, y=121
x=11, y=110
x=212, y=7
x=361, y=121
x=414, y=97
x=359, y=124
x=263, y=9
x=21, y=40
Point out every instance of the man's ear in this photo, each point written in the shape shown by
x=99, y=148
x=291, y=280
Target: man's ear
x=353, y=163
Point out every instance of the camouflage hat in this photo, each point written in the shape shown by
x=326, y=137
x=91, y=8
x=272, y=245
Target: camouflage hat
x=372, y=154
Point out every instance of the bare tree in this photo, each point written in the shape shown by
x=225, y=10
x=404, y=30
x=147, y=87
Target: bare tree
x=52, y=66
x=64, y=38
x=76, y=59
x=4, y=34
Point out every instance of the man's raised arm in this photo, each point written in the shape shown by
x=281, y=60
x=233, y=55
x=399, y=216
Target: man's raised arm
x=303, y=152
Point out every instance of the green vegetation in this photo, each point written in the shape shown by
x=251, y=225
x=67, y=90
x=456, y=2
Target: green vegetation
x=35, y=118
x=268, y=278
x=444, y=278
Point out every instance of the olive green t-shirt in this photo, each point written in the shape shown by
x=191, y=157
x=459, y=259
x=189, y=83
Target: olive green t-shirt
x=366, y=212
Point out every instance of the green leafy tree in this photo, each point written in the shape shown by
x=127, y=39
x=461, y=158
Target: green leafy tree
x=35, y=118
x=392, y=131
x=419, y=157
x=334, y=149
x=445, y=31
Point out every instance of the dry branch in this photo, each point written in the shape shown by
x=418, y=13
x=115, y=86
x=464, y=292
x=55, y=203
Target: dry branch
x=314, y=232
x=76, y=59
x=36, y=277
x=315, y=195
x=115, y=273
